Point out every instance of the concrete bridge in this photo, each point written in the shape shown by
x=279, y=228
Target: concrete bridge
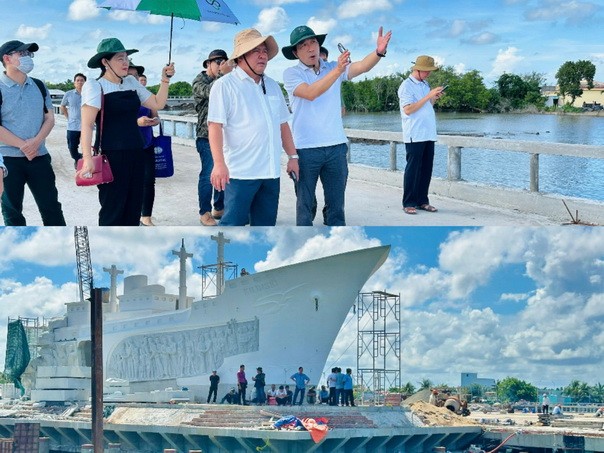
x=373, y=195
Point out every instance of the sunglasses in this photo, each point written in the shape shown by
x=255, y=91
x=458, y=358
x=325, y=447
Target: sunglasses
x=23, y=53
x=219, y=61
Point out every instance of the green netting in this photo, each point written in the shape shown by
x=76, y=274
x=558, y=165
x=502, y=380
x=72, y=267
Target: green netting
x=17, y=353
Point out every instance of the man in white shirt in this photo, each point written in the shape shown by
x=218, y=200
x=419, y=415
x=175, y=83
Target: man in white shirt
x=419, y=133
x=71, y=106
x=247, y=129
x=313, y=86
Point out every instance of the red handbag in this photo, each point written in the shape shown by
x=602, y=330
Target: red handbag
x=102, y=173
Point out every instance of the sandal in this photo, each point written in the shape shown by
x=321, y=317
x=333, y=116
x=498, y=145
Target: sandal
x=410, y=210
x=427, y=207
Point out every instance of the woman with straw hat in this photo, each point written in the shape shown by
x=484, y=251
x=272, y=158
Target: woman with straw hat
x=112, y=102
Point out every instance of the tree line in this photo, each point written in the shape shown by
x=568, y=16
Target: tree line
x=511, y=389
x=465, y=93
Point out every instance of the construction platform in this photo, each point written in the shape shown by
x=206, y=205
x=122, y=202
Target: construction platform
x=231, y=428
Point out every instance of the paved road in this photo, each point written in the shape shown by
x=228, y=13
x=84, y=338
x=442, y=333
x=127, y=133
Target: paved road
x=368, y=202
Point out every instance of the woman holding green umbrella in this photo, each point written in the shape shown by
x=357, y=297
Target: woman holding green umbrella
x=112, y=102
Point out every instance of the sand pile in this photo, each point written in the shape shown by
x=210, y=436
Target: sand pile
x=432, y=415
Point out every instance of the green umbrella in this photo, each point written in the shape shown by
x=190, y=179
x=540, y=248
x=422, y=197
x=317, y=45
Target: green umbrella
x=212, y=11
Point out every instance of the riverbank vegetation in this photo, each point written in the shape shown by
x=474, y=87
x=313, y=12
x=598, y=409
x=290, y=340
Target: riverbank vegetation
x=511, y=389
x=465, y=92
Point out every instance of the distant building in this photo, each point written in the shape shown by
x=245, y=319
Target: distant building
x=590, y=98
x=467, y=379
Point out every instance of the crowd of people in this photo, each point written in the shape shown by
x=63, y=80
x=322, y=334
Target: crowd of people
x=340, y=391
x=243, y=125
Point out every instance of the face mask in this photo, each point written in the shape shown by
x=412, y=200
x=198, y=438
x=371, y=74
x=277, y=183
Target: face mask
x=26, y=64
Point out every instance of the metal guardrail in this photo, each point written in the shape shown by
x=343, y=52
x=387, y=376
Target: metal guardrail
x=454, y=143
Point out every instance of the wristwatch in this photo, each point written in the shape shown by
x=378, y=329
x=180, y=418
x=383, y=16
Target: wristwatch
x=293, y=156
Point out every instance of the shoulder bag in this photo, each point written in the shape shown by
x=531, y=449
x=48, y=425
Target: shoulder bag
x=102, y=173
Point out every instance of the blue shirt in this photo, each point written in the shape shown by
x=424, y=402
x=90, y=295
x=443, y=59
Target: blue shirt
x=420, y=126
x=340, y=381
x=301, y=380
x=347, y=382
x=22, y=112
x=73, y=100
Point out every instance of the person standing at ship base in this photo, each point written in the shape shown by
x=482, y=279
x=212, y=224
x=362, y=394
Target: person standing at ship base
x=545, y=404
x=301, y=380
x=214, y=380
x=242, y=385
x=416, y=101
x=259, y=386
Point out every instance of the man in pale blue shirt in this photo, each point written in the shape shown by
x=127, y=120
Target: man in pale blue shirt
x=416, y=101
x=71, y=107
x=301, y=380
x=27, y=118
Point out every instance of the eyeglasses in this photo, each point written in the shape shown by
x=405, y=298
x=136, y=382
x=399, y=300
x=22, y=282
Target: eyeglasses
x=219, y=61
x=22, y=53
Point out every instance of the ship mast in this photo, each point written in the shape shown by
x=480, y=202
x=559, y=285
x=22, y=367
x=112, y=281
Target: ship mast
x=113, y=272
x=182, y=288
x=220, y=263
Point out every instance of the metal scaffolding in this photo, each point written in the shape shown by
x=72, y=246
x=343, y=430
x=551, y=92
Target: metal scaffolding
x=33, y=329
x=378, y=344
x=213, y=277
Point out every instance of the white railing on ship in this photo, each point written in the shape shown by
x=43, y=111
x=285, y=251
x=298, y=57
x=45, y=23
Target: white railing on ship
x=454, y=143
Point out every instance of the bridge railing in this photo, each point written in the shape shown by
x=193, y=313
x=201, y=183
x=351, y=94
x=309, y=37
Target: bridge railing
x=455, y=145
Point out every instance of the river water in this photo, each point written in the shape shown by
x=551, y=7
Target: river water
x=570, y=176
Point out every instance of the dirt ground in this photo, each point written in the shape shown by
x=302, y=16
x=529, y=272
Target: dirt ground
x=432, y=415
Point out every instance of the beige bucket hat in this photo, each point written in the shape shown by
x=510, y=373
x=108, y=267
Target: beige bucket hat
x=424, y=63
x=251, y=38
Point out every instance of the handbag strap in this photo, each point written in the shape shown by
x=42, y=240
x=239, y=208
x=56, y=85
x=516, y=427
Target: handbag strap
x=99, y=132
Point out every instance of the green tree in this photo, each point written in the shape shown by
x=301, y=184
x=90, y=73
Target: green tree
x=513, y=89
x=512, y=389
x=597, y=393
x=569, y=78
x=579, y=391
x=425, y=384
x=65, y=86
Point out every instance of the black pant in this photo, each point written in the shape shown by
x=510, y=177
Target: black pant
x=242, y=389
x=418, y=173
x=73, y=144
x=332, y=396
x=213, y=390
x=122, y=200
x=40, y=178
x=149, y=181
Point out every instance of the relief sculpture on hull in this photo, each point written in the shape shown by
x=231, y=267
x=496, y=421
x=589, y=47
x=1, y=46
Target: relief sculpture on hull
x=185, y=353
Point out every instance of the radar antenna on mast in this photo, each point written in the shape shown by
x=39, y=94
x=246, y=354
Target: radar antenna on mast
x=82, y=248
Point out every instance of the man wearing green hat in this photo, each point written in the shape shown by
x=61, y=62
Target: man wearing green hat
x=313, y=86
x=419, y=134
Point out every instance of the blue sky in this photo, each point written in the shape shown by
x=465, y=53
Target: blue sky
x=492, y=36
x=523, y=302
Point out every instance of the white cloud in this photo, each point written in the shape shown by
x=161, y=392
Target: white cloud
x=572, y=12
x=277, y=2
x=82, y=10
x=272, y=20
x=483, y=38
x=25, y=32
x=321, y=26
x=507, y=60
x=354, y=8
x=458, y=27
x=459, y=68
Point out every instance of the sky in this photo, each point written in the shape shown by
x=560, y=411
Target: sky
x=521, y=302
x=492, y=36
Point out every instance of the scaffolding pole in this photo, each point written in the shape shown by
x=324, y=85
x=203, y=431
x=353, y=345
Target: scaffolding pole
x=378, y=344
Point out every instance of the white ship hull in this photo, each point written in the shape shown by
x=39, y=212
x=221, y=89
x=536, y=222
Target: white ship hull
x=278, y=319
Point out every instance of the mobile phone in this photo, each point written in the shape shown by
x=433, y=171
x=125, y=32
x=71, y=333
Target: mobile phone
x=445, y=87
x=293, y=176
x=343, y=49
